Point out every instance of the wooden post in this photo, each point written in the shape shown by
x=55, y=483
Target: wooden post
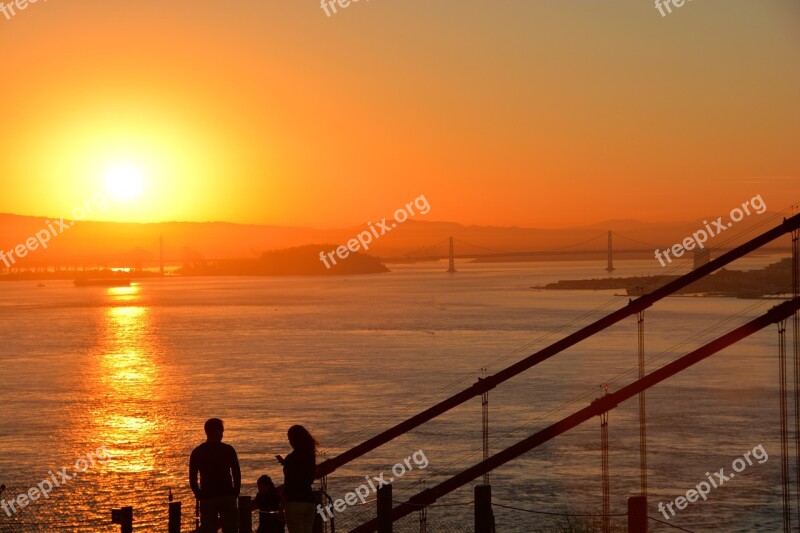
x=123, y=517
x=484, y=519
x=174, y=517
x=385, y=509
x=245, y=515
x=637, y=514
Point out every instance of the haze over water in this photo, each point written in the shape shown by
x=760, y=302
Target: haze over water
x=139, y=369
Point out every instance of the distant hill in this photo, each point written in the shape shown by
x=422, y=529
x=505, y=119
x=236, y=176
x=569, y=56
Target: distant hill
x=299, y=261
x=98, y=243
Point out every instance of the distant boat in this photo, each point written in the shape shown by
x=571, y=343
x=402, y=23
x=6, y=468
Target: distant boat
x=103, y=282
x=40, y=285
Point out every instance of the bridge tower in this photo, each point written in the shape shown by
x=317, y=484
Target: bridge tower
x=610, y=267
x=452, y=268
x=161, y=255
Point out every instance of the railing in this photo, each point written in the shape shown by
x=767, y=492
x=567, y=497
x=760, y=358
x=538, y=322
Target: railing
x=486, y=384
x=596, y=408
x=637, y=518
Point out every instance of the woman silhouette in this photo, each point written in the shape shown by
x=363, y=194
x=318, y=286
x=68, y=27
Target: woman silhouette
x=299, y=472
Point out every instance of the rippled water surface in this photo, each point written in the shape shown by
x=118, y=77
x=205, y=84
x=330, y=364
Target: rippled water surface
x=137, y=370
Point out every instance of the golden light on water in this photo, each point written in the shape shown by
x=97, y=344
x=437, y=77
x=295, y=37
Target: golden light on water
x=124, y=294
x=127, y=418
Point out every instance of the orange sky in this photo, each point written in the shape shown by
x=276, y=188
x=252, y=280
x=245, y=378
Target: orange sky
x=545, y=113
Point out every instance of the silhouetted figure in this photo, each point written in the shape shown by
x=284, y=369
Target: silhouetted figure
x=299, y=470
x=268, y=503
x=220, y=480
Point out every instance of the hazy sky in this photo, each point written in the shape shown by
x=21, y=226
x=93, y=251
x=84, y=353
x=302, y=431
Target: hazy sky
x=530, y=112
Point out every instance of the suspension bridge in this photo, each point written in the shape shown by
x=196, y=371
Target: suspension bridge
x=599, y=246
x=605, y=245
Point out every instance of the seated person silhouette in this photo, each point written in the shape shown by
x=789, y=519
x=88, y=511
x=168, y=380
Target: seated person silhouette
x=268, y=503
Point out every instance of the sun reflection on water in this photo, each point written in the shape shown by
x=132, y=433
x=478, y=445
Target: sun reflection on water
x=124, y=294
x=127, y=417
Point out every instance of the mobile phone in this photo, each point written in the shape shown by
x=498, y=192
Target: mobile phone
x=279, y=458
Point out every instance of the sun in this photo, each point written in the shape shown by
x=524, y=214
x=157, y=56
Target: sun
x=124, y=182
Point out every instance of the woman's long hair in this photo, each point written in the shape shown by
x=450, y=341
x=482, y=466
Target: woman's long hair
x=302, y=441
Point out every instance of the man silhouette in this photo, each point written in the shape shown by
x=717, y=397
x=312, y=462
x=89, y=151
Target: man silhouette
x=220, y=480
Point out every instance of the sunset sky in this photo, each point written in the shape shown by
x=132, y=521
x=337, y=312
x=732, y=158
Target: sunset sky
x=540, y=113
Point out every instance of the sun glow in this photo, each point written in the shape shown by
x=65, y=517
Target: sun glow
x=124, y=182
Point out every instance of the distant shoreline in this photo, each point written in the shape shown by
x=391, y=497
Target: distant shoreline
x=300, y=261
x=770, y=281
